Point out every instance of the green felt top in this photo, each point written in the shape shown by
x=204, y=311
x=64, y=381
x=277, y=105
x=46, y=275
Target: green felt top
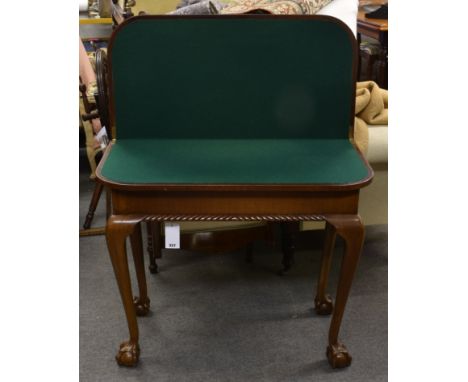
x=232, y=100
x=233, y=161
x=232, y=77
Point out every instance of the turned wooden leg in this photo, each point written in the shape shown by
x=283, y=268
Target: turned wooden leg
x=352, y=231
x=287, y=246
x=117, y=230
x=98, y=187
x=153, y=230
x=323, y=301
x=142, y=302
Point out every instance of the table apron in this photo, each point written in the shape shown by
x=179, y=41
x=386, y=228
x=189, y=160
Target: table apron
x=235, y=203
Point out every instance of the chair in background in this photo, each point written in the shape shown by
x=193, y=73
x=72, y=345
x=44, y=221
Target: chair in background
x=94, y=116
x=209, y=237
x=87, y=113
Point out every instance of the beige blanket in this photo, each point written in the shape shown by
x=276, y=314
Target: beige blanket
x=371, y=109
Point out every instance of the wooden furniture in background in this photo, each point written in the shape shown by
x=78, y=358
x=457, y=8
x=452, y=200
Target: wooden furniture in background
x=212, y=241
x=97, y=110
x=268, y=142
x=378, y=30
x=371, y=53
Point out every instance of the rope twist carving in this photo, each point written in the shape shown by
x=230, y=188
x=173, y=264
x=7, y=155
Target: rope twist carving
x=233, y=218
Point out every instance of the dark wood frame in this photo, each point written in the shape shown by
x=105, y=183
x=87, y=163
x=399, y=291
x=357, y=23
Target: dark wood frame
x=336, y=204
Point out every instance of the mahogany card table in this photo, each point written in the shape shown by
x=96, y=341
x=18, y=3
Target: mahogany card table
x=233, y=118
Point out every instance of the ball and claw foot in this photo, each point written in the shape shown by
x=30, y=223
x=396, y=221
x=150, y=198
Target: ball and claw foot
x=128, y=354
x=338, y=356
x=323, y=307
x=141, y=307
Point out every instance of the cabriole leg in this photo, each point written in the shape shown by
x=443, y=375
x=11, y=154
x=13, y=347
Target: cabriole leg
x=117, y=230
x=352, y=231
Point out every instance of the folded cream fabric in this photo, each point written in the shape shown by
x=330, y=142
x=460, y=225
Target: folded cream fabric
x=371, y=109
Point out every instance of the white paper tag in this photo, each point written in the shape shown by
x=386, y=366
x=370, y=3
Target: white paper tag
x=172, y=235
x=102, y=137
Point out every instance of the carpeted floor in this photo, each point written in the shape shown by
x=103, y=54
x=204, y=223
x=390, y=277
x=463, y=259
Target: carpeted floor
x=217, y=318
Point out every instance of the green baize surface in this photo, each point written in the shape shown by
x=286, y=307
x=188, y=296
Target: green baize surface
x=232, y=100
x=234, y=161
